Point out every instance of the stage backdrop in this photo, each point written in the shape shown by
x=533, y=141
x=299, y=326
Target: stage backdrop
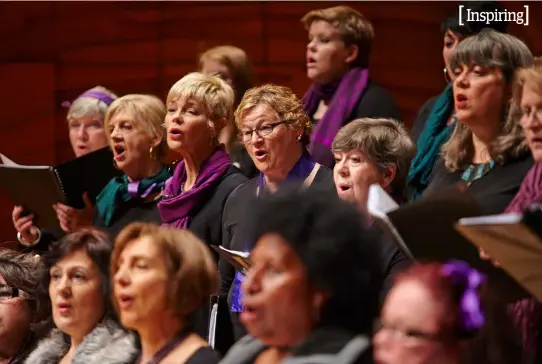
x=52, y=51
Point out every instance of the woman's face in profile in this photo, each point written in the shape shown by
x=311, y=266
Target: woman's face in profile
x=278, y=307
x=451, y=40
x=410, y=328
x=140, y=283
x=87, y=134
x=479, y=94
x=531, y=118
x=75, y=289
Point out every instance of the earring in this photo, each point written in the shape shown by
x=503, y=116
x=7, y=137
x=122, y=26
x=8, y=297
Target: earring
x=151, y=149
x=299, y=138
x=446, y=77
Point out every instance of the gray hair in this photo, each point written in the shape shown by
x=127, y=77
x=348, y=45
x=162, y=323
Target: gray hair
x=89, y=106
x=385, y=142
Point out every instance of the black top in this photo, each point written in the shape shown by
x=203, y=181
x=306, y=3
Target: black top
x=376, y=102
x=129, y=212
x=495, y=190
x=204, y=355
x=235, y=212
x=421, y=118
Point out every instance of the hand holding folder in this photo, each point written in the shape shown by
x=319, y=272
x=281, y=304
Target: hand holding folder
x=513, y=240
x=239, y=260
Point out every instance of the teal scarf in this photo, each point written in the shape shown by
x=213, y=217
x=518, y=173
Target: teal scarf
x=434, y=134
x=120, y=190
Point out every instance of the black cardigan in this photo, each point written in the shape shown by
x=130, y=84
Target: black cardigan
x=494, y=191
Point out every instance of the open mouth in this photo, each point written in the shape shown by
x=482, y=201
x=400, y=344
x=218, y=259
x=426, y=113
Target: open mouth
x=175, y=131
x=260, y=153
x=119, y=150
x=125, y=300
x=461, y=97
x=344, y=188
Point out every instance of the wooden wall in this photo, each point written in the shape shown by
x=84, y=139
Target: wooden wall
x=52, y=51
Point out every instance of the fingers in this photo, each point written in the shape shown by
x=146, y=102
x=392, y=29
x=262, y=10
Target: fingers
x=64, y=208
x=86, y=201
x=16, y=213
x=24, y=223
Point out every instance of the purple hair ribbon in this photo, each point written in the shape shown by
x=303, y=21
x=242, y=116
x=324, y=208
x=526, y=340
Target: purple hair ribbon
x=95, y=94
x=472, y=317
x=133, y=190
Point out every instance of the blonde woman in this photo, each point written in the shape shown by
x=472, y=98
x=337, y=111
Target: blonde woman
x=161, y=277
x=87, y=133
x=233, y=66
x=487, y=149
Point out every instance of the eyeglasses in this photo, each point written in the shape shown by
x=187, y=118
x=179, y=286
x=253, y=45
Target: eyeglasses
x=8, y=292
x=262, y=131
x=405, y=334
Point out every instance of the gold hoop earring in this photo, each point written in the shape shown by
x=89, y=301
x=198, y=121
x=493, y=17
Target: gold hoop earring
x=151, y=150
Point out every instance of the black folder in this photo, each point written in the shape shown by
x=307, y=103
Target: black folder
x=425, y=230
x=37, y=188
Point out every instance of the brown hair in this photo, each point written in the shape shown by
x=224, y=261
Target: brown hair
x=190, y=265
x=384, y=142
x=22, y=271
x=283, y=101
x=531, y=76
x=353, y=27
x=491, y=49
x=238, y=64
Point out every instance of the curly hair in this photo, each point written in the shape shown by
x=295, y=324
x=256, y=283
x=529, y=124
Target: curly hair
x=283, y=101
x=336, y=259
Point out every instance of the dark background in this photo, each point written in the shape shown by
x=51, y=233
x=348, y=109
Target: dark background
x=51, y=52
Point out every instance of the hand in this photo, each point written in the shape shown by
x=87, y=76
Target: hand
x=486, y=256
x=25, y=225
x=73, y=219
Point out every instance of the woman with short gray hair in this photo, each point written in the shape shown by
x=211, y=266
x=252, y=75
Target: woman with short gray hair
x=374, y=151
x=487, y=150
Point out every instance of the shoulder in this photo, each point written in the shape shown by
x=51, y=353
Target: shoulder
x=50, y=349
x=245, y=190
x=204, y=355
x=324, y=179
x=243, y=351
x=232, y=178
x=377, y=102
x=421, y=117
x=108, y=343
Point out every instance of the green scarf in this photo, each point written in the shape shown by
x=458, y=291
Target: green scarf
x=120, y=190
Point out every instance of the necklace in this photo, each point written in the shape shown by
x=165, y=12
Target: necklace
x=168, y=347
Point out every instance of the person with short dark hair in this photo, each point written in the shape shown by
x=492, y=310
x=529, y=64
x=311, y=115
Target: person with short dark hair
x=23, y=310
x=312, y=287
x=76, y=275
x=436, y=118
x=161, y=278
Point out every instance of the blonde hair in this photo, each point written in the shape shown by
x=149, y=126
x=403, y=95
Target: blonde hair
x=238, y=64
x=192, y=271
x=531, y=76
x=284, y=103
x=147, y=111
x=491, y=49
x=353, y=27
x=89, y=106
x=216, y=95
x=384, y=142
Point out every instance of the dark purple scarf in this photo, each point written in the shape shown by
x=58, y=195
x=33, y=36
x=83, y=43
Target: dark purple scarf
x=344, y=95
x=177, y=208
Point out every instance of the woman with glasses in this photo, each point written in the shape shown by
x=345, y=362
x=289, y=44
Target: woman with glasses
x=443, y=313
x=21, y=307
x=275, y=130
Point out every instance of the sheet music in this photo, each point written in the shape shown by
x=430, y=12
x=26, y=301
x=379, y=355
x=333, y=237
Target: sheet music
x=6, y=162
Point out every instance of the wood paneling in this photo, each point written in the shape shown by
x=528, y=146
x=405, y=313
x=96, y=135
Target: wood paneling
x=53, y=51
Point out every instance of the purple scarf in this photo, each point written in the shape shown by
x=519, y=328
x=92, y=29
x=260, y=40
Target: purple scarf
x=178, y=207
x=344, y=95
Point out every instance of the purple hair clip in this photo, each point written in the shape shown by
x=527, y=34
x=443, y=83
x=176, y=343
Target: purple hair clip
x=96, y=94
x=472, y=317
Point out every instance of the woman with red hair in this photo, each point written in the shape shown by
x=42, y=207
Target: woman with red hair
x=443, y=313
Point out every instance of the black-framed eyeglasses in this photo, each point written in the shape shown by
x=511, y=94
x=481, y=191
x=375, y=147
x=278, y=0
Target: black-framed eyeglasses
x=8, y=292
x=262, y=131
